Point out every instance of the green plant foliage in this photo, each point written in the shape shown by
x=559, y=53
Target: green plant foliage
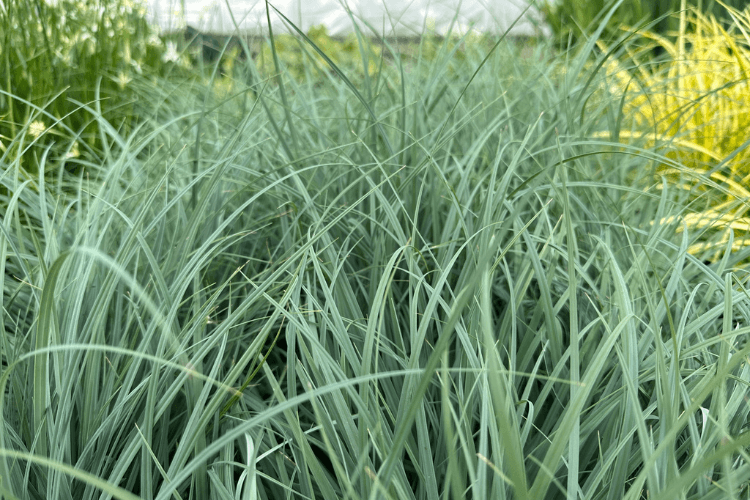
x=570, y=19
x=349, y=53
x=298, y=59
x=448, y=278
x=57, y=57
x=696, y=103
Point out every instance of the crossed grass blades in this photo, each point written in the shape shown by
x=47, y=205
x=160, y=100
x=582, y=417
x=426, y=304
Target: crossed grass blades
x=448, y=278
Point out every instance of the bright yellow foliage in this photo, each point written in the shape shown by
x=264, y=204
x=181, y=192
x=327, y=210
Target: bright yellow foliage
x=698, y=101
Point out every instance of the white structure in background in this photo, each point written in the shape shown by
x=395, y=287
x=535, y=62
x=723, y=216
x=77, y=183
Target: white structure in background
x=388, y=17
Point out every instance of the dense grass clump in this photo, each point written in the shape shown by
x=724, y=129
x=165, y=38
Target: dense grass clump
x=694, y=104
x=444, y=278
x=58, y=58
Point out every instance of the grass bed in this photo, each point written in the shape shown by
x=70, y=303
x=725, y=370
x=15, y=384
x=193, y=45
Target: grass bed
x=438, y=280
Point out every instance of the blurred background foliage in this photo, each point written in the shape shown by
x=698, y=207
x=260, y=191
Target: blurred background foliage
x=57, y=57
x=346, y=53
x=569, y=19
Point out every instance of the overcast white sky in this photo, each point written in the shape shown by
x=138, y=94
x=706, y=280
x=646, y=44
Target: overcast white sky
x=389, y=17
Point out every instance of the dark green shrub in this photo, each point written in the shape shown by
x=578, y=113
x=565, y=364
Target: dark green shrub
x=571, y=18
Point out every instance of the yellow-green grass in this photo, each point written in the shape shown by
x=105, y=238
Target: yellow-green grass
x=695, y=101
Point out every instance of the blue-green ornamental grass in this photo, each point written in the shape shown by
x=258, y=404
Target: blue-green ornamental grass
x=432, y=281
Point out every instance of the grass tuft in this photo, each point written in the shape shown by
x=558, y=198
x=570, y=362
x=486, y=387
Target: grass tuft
x=457, y=276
